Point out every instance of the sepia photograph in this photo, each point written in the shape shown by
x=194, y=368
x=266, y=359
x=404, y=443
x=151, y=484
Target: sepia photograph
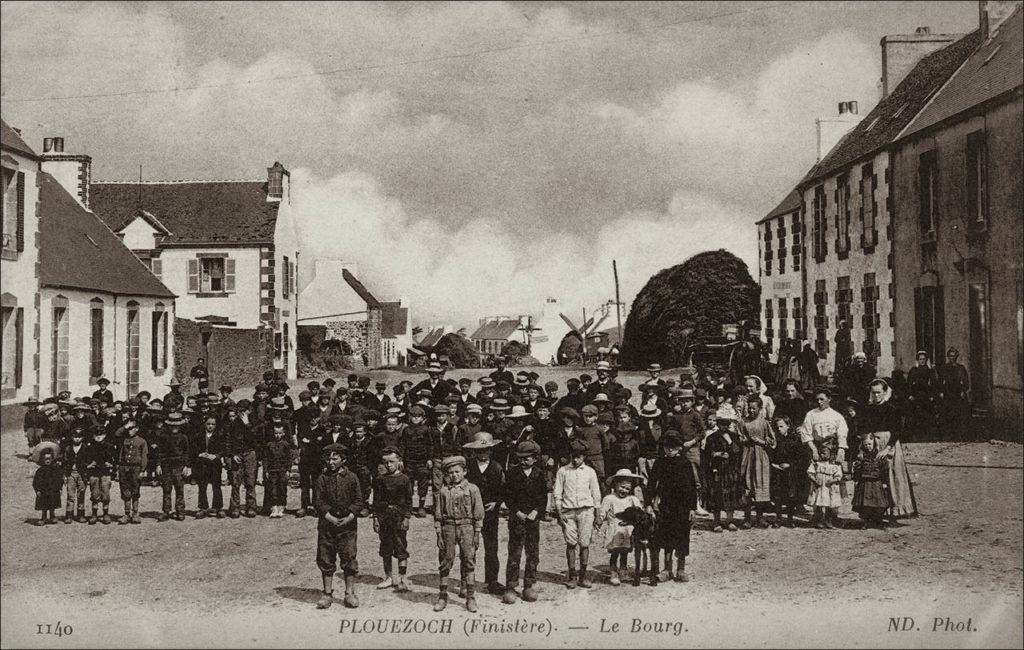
x=512, y=324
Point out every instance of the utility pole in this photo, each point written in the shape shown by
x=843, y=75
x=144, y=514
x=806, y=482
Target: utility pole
x=618, y=305
x=583, y=335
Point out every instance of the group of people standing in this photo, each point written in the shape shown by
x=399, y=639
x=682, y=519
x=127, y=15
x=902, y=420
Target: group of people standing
x=473, y=452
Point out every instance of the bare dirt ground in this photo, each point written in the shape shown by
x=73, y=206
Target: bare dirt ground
x=225, y=583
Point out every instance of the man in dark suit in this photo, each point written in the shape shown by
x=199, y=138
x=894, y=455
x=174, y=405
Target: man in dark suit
x=487, y=475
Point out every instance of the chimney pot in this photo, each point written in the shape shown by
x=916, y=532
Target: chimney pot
x=47, y=145
x=923, y=30
x=853, y=108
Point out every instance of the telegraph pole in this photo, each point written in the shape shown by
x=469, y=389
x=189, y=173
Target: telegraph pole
x=618, y=308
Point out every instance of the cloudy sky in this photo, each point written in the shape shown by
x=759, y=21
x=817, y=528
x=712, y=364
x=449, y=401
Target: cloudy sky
x=471, y=157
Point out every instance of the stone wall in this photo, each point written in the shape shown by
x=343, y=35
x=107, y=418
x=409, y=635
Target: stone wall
x=362, y=336
x=237, y=357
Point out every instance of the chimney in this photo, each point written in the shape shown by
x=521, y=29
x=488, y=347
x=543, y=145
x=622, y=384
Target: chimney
x=72, y=171
x=992, y=14
x=901, y=52
x=278, y=180
x=832, y=129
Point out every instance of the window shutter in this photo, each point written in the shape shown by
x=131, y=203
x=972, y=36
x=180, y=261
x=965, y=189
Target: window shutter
x=939, y=314
x=20, y=235
x=295, y=282
x=193, y=276
x=19, y=342
x=286, y=285
x=155, y=340
x=229, y=274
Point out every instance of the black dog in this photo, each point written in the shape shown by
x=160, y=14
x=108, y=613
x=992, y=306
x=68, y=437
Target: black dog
x=643, y=533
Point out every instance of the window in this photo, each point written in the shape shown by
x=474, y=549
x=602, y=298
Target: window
x=159, y=338
x=156, y=265
x=768, y=254
x=930, y=321
x=977, y=181
x=13, y=340
x=59, y=345
x=820, y=224
x=769, y=333
x=781, y=233
x=927, y=193
x=868, y=207
x=13, y=207
x=211, y=274
x=132, y=346
x=796, y=230
x=843, y=216
x=286, y=285
x=96, y=339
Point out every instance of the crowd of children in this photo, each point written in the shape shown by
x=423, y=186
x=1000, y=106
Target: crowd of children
x=590, y=459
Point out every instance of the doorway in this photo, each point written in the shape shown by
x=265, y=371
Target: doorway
x=980, y=362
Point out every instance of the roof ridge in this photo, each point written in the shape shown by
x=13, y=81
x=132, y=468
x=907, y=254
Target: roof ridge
x=181, y=181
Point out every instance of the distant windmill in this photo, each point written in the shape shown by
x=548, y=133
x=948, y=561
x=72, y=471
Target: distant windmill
x=589, y=326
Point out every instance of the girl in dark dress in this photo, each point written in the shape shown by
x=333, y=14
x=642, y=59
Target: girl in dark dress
x=871, y=497
x=922, y=387
x=790, y=459
x=48, y=482
x=721, y=463
x=673, y=494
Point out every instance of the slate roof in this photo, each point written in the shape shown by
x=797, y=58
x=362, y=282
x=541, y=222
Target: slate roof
x=884, y=123
x=11, y=139
x=431, y=338
x=394, y=319
x=358, y=287
x=77, y=251
x=995, y=68
x=496, y=330
x=194, y=212
x=789, y=204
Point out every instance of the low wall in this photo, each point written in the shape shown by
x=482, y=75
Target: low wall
x=237, y=357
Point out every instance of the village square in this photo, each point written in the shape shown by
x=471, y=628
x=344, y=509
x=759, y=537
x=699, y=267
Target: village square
x=523, y=335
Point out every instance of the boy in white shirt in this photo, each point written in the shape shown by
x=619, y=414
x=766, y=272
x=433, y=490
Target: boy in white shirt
x=577, y=495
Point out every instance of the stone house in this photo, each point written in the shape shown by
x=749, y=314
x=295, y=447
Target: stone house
x=958, y=238
x=229, y=250
x=847, y=203
x=780, y=273
x=494, y=333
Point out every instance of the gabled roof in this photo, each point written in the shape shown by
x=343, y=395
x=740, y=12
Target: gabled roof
x=496, y=330
x=995, y=68
x=789, y=204
x=883, y=124
x=77, y=251
x=431, y=338
x=394, y=319
x=358, y=287
x=193, y=212
x=11, y=139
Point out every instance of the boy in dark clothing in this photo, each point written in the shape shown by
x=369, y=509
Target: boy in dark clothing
x=207, y=448
x=100, y=463
x=624, y=451
x=175, y=454
x=47, y=483
x=131, y=460
x=487, y=474
x=526, y=497
x=241, y=452
x=35, y=423
x=363, y=455
x=74, y=457
x=417, y=453
x=673, y=497
x=151, y=429
x=392, y=507
x=278, y=459
x=338, y=501
x=312, y=439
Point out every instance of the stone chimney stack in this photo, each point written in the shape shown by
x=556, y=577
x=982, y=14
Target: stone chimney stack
x=278, y=180
x=832, y=129
x=72, y=171
x=901, y=52
x=992, y=13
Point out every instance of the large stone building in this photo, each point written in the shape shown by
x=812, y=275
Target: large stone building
x=229, y=250
x=848, y=206
x=19, y=267
x=958, y=238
